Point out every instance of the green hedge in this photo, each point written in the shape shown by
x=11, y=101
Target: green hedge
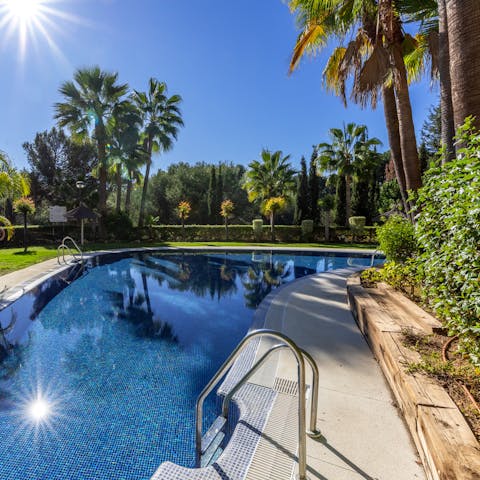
x=48, y=235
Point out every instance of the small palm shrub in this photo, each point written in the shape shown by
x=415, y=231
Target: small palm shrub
x=184, y=208
x=226, y=210
x=25, y=207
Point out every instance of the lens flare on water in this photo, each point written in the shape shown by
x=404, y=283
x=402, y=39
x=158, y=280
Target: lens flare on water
x=39, y=409
x=33, y=22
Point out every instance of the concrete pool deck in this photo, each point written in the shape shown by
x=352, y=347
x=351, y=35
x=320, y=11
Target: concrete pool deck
x=365, y=438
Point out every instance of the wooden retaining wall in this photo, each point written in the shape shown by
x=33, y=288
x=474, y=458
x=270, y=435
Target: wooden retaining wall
x=445, y=442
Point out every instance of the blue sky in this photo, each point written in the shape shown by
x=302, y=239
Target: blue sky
x=228, y=59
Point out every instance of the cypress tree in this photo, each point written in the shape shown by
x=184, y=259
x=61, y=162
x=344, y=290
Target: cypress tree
x=211, y=196
x=302, y=207
x=340, y=207
x=219, y=195
x=313, y=186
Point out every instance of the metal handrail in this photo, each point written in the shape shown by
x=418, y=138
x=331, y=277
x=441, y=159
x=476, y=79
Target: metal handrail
x=313, y=432
x=302, y=438
x=62, y=247
x=374, y=254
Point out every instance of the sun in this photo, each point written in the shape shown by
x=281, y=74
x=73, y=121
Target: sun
x=22, y=10
x=34, y=23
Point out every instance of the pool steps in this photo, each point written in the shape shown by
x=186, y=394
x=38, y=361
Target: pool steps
x=215, y=434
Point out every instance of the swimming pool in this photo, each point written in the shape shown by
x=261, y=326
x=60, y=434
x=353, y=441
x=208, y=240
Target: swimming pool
x=101, y=381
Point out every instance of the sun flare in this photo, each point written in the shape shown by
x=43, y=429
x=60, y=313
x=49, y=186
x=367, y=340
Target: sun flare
x=34, y=23
x=23, y=10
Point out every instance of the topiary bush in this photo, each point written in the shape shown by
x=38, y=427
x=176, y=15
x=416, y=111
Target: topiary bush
x=396, y=238
x=257, y=226
x=307, y=228
x=448, y=233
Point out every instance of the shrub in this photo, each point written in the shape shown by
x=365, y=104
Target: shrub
x=257, y=226
x=448, y=234
x=118, y=226
x=397, y=239
x=357, y=225
x=307, y=228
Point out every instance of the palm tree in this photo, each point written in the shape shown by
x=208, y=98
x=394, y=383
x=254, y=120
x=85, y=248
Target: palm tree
x=271, y=177
x=93, y=102
x=463, y=19
x=125, y=150
x=161, y=118
x=349, y=146
x=372, y=58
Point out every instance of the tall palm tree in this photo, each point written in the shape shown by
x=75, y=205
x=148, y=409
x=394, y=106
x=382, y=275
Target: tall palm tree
x=463, y=19
x=270, y=177
x=161, y=119
x=372, y=58
x=349, y=146
x=125, y=149
x=93, y=101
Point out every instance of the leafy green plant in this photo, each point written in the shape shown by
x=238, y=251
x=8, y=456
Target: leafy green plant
x=6, y=229
x=397, y=239
x=448, y=233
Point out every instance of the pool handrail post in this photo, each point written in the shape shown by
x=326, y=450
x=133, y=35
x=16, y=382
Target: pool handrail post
x=313, y=431
x=302, y=439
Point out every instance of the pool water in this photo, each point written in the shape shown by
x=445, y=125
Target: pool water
x=102, y=382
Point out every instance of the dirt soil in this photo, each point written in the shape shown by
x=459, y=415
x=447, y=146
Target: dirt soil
x=457, y=375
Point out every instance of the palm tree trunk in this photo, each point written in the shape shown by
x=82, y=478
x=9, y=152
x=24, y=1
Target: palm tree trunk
x=392, y=29
x=327, y=225
x=226, y=229
x=348, y=198
x=391, y=120
x=128, y=197
x=272, y=226
x=25, y=230
x=118, y=175
x=408, y=141
x=446, y=105
x=141, y=215
x=463, y=19
x=102, y=185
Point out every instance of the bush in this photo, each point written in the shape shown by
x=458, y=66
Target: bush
x=307, y=228
x=257, y=226
x=119, y=226
x=448, y=234
x=397, y=239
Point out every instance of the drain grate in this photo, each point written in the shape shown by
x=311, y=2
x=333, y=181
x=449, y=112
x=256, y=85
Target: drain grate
x=283, y=385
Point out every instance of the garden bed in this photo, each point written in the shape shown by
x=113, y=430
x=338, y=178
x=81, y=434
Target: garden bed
x=392, y=325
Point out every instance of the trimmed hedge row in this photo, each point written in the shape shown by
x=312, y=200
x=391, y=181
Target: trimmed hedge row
x=48, y=235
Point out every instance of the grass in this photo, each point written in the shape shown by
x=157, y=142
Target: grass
x=12, y=259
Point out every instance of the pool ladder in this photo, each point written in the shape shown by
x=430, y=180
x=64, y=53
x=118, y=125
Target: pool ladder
x=208, y=446
x=77, y=257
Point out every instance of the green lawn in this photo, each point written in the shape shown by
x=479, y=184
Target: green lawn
x=12, y=259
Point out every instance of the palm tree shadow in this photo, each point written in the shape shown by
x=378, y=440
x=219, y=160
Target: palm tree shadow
x=310, y=470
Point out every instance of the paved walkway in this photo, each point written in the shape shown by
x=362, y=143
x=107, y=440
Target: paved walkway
x=365, y=436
